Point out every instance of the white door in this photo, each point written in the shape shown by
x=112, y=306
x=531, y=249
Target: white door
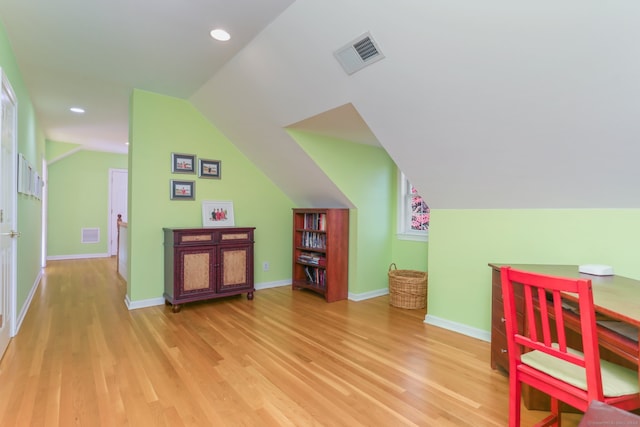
x=118, y=204
x=8, y=223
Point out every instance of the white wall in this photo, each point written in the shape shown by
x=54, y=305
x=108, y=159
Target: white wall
x=493, y=104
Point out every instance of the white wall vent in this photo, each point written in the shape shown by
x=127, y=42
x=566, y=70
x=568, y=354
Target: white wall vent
x=90, y=235
x=358, y=54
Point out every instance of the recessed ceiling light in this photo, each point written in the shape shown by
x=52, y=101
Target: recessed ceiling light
x=76, y=110
x=126, y=143
x=220, y=34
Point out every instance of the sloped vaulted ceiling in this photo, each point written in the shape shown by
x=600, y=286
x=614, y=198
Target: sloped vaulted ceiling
x=493, y=104
x=92, y=54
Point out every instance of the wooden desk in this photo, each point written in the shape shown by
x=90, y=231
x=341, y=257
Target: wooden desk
x=616, y=297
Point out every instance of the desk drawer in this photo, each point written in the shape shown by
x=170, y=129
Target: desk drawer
x=499, y=352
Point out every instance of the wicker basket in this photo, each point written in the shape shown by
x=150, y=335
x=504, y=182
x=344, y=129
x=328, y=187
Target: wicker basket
x=407, y=288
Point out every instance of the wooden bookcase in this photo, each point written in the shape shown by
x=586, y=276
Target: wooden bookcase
x=321, y=252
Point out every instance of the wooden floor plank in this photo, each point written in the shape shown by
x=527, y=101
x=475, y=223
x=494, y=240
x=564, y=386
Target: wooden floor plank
x=286, y=358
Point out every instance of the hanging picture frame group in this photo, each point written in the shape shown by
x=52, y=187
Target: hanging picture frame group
x=30, y=182
x=182, y=163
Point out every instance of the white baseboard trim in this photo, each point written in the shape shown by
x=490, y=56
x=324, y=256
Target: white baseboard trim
x=268, y=285
x=144, y=303
x=78, y=256
x=151, y=302
x=458, y=327
x=368, y=295
x=26, y=305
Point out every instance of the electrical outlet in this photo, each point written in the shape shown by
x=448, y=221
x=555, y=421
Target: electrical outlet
x=265, y=266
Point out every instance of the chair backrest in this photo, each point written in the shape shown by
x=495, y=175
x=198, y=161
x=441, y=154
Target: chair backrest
x=543, y=306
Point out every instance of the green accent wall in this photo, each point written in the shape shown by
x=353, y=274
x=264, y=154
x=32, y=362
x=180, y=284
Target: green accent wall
x=160, y=125
x=79, y=198
x=410, y=254
x=463, y=242
x=367, y=176
x=31, y=145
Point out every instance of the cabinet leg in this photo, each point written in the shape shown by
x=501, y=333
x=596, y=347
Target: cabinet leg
x=250, y=296
x=176, y=308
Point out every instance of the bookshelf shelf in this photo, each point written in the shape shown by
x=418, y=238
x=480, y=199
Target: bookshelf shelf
x=321, y=252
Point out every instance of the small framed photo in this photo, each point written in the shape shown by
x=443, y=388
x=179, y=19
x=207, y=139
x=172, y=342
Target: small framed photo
x=209, y=168
x=183, y=163
x=217, y=214
x=183, y=190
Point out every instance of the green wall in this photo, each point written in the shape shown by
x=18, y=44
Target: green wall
x=410, y=254
x=78, y=198
x=463, y=242
x=160, y=125
x=55, y=150
x=31, y=145
x=368, y=177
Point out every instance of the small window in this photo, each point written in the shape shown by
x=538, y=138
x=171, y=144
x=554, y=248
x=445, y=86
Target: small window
x=413, y=212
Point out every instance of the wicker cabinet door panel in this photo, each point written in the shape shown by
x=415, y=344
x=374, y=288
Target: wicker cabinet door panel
x=234, y=269
x=196, y=271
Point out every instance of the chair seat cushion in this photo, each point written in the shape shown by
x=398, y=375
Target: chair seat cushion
x=616, y=380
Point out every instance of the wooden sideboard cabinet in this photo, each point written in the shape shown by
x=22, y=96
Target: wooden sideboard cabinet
x=207, y=263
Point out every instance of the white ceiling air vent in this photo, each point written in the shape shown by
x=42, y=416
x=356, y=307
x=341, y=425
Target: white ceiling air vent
x=358, y=54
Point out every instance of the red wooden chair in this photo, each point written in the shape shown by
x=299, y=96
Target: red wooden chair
x=539, y=355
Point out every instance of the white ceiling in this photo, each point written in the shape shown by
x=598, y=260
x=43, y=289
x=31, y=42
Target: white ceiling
x=493, y=104
x=343, y=122
x=93, y=53
x=484, y=105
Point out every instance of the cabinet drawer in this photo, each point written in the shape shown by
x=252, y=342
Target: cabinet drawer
x=236, y=236
x=497, y=316
x=194, y=238
x=518, y=295
x=496, y=292
x=495, y=278
x=499, y=352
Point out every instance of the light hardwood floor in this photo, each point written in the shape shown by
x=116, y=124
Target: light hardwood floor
x=286, y=358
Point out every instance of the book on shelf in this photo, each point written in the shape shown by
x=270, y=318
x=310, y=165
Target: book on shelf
x=308, y=274
x=314, y=240
x=315, y=276
x=315, y=221
x=312, y=258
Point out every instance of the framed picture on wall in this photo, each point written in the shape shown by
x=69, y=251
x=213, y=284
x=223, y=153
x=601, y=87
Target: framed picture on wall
x=183, y=163
x=23, y=170
x=209, y=168
x=183, y=190
x=217, y=214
